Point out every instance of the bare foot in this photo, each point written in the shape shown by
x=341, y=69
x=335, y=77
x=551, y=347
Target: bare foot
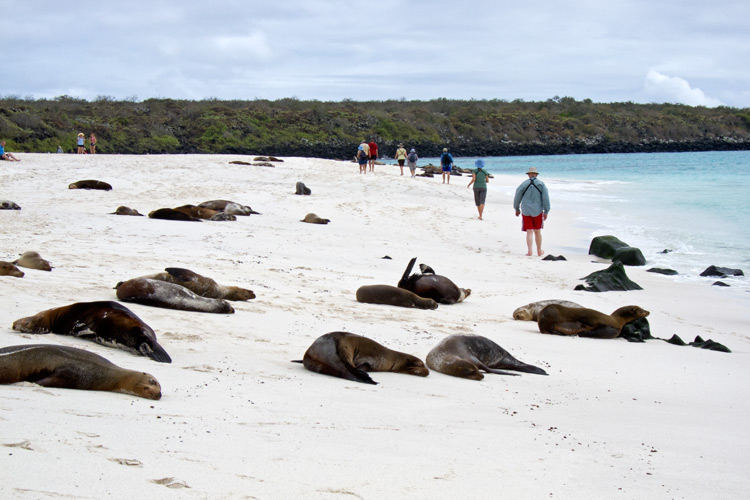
x=528, y=254
x=540, y=253
x=480, y=218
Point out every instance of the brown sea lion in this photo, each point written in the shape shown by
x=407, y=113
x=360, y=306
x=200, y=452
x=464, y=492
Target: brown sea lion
x=197, y=212
x=104, y=322
x=72, y=368
x=8, y=269
x=432, y=286
x=314, y=219
x=530, y=312
x=172, y=214
x=350, y=356
x=90, y=184
x=202, y=285
x=561, y=320
x=300, y=188
x=8, y=205
x=465, y=355
x=229, y=207
x=123, y=210
x=169, y=296
x=393, y=296
x=33, y=260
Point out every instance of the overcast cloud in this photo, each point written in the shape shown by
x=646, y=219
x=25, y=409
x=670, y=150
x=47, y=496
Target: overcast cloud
x=682, y=51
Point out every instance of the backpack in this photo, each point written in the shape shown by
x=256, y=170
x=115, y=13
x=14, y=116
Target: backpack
x=361, y=154
x=412, y=157
x=446, y=159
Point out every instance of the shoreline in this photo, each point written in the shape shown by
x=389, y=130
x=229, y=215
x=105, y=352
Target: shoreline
x=236, y=416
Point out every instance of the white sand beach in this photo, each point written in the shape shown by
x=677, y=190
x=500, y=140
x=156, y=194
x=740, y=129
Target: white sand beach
x=239, y=420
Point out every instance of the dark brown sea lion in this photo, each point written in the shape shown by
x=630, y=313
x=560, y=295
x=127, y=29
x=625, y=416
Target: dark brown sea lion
x=90, y=184
x=202, y=285
x=350, y=356
x=300, y=188
x=8, y=269
x=465, y=355
x=530, y=312
x=314, y=219
x=561, y=320
x=123, y=210
x=8, y=205
x=105, y=322
x=72, y=368
x=197, y=212
x=169, y=296
x=33, y=260
x=172, y=214
x=393, y=296
x=432, y=286
x=229, y=207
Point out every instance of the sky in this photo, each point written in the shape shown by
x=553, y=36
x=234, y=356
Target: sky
x=645, y=51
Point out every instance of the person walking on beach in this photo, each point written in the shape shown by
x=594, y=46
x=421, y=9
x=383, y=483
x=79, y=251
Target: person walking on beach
x=92, y=143
x=373, y=155
x=5, y=155
x=362, y=159
x=81, y=149
x=401, y=157
x=446, y=161
x=532, y=200
x=411, y=161
x=479, y=177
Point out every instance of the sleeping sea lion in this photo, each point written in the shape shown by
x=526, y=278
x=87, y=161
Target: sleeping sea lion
x=8, y=269
x=314, y=219
x=197, y=212
x=229, y=207
x=72, y=368
x=123, y=210
x=172, y=214
x=561, y=320
x=33, y=260
x=530, y=312
x=432, y=286
x=104, y=322
x=393, y=296
x=202, y=285
x=90, y=184
x=350, y=356
x=8, y=205
x=169, y=296
x=464, y=355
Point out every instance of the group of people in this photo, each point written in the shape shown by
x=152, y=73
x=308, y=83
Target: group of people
x=4, y=155
x=82, y=146
x=531, y=200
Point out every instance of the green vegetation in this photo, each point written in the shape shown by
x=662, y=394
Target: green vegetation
x=333, y=129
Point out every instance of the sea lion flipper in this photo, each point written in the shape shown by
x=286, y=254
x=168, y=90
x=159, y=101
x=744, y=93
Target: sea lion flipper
x=157, y=353
x=181, y=273
x=409, y=267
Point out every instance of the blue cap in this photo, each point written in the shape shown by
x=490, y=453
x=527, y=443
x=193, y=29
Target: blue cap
x=479, y=163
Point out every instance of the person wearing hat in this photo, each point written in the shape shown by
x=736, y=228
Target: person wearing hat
x=446, y=161
x=532, y=201
x=401, y=157
x=80, y=144
x=479, y=177
x=363, y=155
x=411, y=161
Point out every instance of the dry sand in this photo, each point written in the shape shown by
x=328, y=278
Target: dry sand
x=238, y=420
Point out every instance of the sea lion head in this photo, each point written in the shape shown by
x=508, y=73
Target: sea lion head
x=412, y=365
x=464, y=369
x=140, y=384
x=8, y=269
x=630, y=313
x=237, y=293
x=522, y=314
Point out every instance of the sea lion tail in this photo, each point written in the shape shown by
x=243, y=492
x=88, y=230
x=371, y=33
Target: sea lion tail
x=407, y=272
x=297, y=361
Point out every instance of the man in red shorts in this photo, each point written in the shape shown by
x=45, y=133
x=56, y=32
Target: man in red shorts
x=373, y=154
x=532, y=200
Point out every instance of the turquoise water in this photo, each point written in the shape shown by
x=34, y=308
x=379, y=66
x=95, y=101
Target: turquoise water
x=694, y=204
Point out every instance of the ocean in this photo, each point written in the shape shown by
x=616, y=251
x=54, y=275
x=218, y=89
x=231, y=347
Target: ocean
x=695, y=205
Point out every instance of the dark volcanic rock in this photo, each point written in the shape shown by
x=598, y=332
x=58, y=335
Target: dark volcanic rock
x=636, y=331
x=629, y=256
x=722, y=272
x=612, y=278
x=606, y=246
x=719, y=283
x=552, y=257
x=658, y=270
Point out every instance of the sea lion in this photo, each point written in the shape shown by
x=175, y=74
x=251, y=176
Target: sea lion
x=169, y=296
x=300, y=188
x=8, y=205
x=432, y=286
x=393, y=296
x=223, y=216
x=314, y=219
x=561, y=320
x=33, y=260
x=8, y=269
x=229, y=207
x=72, y=368
x=90, y=184
x=202, y=285
x=350, y=356
x=464, y=355
x=197, y=212
x=530, y=312
x=172, y=214
x=123, y=210
x=104, y=322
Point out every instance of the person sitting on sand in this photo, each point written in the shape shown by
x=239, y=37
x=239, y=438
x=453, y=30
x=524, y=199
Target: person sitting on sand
x=5, y=155
x=532, y=199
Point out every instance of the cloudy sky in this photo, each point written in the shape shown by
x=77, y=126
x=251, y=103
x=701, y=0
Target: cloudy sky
x=687, y=51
